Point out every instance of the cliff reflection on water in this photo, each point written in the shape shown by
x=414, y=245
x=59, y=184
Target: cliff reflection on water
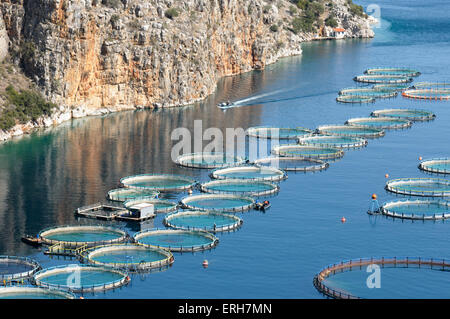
x=45, y=176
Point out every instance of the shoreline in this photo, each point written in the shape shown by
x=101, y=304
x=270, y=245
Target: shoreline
x=65, y=114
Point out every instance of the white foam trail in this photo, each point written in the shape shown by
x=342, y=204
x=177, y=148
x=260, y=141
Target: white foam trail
x=259, y=96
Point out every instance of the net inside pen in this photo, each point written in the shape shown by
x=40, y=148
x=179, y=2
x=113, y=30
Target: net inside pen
x=177, y=239
x=250, y=173
x=201, y=220
x=350, y=130
x=124, y=194
x=437, y=165
x=240, y=187
x=218, y=202
x=420, y=187
x=335, y=141
x=158, y=182
x=278, y=132
x=380, y=122
x=314, y=152
x=209, y=160
x=293, y=163
x=408, y=114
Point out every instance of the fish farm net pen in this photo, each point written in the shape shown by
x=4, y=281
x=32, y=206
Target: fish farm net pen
x=250, y=173
x=124, y=194
x=436, y=165
x=417, y=210
x=357, y=99
x=189, y=241
x=107, y=278
x=27, y=292
x=393, y=262
x=393, y=71
x=77, y=236
x=385, y=123
x=427, y=187
x=240, y=187
x=220, y=203
x=203, y=221
x=117, y=256
x=14, y=268
x=428, y=94
x=209, y=160
x=160, y=206
x=294, y=164
x=315, y=152
x=335, y=141
x=431, y=85
x=159, y=182
x=281, y=133
x=368, y=93
x=350, y=130
x=407, y=114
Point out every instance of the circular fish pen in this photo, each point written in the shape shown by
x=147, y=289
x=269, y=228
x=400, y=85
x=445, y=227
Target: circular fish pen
x=203, y=221
x=436, y=165
x=278, y=132
x=124, y=194
x=159, y=182
x=250, y=173
x=77, y=236
x=209, y=160
x=431, y=85
x=391, y=87
x=240, y=187
x=160, y=206
x=393, y=71
x=407, y=114
x=380, y=78
x=34, y=293
x=417, y=209
x=218, y=203
x=177, y=240
x=350, y=130
x=80, y=278
x=428, y=187
x=387, y=123
x=13, y=269
x=130, y=257
x=295, y=164
x=335, y=141
x=368, y=92
x=428, y=94
x=314, y=152
x=355, y=99
x=329, y=281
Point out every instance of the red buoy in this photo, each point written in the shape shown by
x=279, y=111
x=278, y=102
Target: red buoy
x=374, y=196
x=387, y=175
x=420, y=158
x=343, y=219
x=205, y=263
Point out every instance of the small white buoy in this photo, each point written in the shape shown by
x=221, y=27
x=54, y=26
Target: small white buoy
x=189, y=191
x=205, y=263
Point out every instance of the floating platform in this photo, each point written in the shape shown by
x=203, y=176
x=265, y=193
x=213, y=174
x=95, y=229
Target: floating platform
x=100, y=211
x=281, y=133
x=250, y=173
x=159, y=182
x=218, y=203
x=314, y=152
x=295, y=164
x=417, y=209
x=129, y=257
x=350, y=130
x=436, y=165
x=334, y=141
x=203, y=221
x=385, y=123
x=429, y=187
x=81, y=278
x=407, y=114
x=16, y=269
x=34, y=293
x=177, y=240
x=209, y=160
x=73, y=237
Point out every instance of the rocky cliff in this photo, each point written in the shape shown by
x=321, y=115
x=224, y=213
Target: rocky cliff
x=96, y=56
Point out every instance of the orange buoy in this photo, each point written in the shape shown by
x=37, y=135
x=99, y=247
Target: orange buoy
x=374, y=196
x=205, y=263
x=387, y=175
x=420, y=158
x=343, y=219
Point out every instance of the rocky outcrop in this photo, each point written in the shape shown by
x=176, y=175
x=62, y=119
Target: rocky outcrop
x=4, y=40
x=95, y=56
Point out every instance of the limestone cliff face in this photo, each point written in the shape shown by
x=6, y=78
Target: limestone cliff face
x=92, y=56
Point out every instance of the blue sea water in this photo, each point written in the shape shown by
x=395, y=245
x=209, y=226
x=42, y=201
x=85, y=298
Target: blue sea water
x=45, y=176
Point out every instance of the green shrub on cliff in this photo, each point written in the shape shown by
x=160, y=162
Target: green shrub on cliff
x=171, y=13
x=23, y=106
